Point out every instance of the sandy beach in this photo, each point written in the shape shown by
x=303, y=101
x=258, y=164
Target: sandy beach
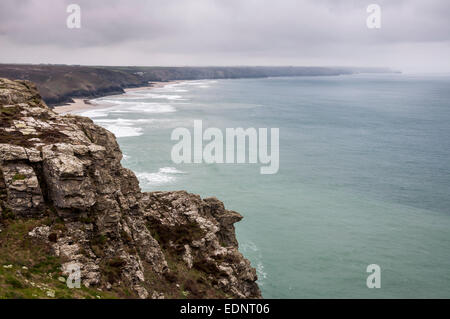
x=76, y=105
x=86, y=104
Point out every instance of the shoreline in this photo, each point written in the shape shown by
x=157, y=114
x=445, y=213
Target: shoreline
x=84, y=104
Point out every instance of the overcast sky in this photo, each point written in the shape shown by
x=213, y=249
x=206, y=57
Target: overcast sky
x=414, y=34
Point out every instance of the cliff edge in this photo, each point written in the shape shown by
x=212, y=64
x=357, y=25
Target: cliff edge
x=67, y=203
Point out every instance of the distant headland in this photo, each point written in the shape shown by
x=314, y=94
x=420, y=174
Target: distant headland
x=59, y=84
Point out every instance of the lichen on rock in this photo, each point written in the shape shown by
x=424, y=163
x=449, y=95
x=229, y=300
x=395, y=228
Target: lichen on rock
x=143, y=245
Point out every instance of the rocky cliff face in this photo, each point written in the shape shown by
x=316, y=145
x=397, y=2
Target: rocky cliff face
x=61, y=177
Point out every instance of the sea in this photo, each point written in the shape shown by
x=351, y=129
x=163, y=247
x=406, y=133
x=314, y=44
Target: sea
x=363, y=179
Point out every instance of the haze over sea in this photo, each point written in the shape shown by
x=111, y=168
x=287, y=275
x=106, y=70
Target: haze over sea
x=364, y=176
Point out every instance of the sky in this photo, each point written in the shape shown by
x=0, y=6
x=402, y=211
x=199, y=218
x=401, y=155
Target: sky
x=414, y=36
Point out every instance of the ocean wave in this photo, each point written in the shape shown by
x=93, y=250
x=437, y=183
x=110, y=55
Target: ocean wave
x=156, y=96
x=150, y=107
x=200, y=82
x=249, y=245
x=130, y=107
x=145, y=107
x=111, y=101
x=123, y=127
x=164, y=175
x=124, y=131
x=152, y=123
x=172, y=88
x=171, y=170
x=261, y=273
x=95, y=113
x=155, y=178
x=203, y=84
x=250, y=248
x=124, y=122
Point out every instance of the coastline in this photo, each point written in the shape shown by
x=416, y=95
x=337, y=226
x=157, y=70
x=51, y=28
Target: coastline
x=81, y=104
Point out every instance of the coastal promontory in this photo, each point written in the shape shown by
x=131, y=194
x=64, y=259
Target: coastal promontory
x=68, y=205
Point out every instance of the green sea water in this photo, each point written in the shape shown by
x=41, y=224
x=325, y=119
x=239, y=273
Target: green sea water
x=364, y=176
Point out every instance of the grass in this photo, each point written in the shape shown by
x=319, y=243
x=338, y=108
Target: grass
x=29, y=270
x=8, y=111
x=19, y=283
x=32, y=270
x=7, y=115
x=18, y=177
x=7, y=213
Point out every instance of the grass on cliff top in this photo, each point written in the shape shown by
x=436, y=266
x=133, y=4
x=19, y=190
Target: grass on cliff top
x=18, y=177
x=7, y=115
x=29, y=270
x=8, y=111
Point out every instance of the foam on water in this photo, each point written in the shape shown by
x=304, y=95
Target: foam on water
x=123, y=127
x=156, y=96
x=172, y=88
x=124, y=131
x=96, y=113
x=170, y=170
x=128, y=107
x=199, y=82
x=124, y=122
x=164, y=175
x=132, y=107
x=250, y=247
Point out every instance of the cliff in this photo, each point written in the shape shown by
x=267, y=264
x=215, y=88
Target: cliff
x=60, y=83
x=66, y=202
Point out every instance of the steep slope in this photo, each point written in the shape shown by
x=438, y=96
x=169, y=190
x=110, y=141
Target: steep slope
x=60, y=83
x=66, y=202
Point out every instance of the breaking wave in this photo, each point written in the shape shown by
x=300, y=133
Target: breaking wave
x=164, y=175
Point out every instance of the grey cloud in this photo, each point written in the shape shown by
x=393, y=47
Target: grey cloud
x=225, y=32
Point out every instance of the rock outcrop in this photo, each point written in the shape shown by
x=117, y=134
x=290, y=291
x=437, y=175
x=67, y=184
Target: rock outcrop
x=67, y=170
